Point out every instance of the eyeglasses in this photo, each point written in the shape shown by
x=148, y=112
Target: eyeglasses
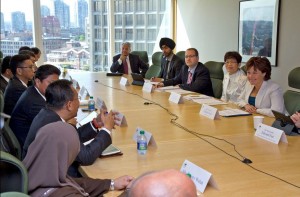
x=30, y=67
x=230, y=62
x=190, y=56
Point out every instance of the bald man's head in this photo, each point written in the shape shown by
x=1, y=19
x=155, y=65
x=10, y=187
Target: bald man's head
x=163, y=184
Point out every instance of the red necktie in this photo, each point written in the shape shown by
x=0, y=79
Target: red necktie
x=190, y=77
x=125, y=67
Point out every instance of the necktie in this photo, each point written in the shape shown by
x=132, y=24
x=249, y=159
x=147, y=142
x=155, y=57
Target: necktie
x=190, y=77
x=125, y=67
x=167, y=69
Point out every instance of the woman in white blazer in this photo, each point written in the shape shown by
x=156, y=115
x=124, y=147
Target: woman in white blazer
x=234, y=79
x=260, y=94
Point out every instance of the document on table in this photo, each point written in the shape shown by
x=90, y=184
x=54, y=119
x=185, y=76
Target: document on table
x=195, y=96
x=163, y=89
x=179, y=91
x=209, y=101
x=230, y=112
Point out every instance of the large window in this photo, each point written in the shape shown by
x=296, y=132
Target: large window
x=83, y=34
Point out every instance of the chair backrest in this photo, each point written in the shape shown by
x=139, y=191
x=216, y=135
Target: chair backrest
x=216, y=76
x=12, y=141
x=153, y=71
x=156, y=58
x=1, y=101
x=14, y=177
x=143, y=55
x=13, y=194
x=181, y=55
x=292, y=97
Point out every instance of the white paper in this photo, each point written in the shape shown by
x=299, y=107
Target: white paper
x=233, y=112
x=196, y=96
x=270, y=134
x=209, y=112
x=209, y=101
x=149, y=136
x=88, y=118
x=175, y=98
x=179, y=91
x=124, y=81
x=198, y=175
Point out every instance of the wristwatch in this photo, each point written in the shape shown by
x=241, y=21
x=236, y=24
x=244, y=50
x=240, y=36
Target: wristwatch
x=112, y=185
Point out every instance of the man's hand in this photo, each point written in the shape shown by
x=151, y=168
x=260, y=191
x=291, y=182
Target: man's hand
x=122, y=182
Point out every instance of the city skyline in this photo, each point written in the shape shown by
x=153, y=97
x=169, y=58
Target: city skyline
x=24, y=6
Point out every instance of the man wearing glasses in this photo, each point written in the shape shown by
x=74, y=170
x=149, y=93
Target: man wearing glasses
x=194, y=76
x=22, y=69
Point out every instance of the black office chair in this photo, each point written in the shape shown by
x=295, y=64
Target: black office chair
x=13, y=176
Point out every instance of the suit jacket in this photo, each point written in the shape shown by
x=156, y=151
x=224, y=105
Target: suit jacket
x=201, y=82
x=237, y=85
x=3, y=83
x=87, y=155
x=174, y=70
x=12, y=93
x=269, y=97
x=136, y=65
x=28, y=106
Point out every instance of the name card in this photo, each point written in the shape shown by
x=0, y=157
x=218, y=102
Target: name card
x=101, y=104
x=270, y=134
x=124, y=81
x=175, y=98
x=198, y=175
x=83, y=93
x=149, y=136
x=148, y=87
x=122, y=120
x=75, y=84
x=209, y=112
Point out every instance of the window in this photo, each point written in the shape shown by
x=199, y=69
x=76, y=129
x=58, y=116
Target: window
x=93, y=38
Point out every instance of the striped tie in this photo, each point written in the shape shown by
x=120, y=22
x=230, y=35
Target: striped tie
x=190, y=77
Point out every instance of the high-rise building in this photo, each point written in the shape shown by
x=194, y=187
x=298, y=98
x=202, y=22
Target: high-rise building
x=142, y=23
x=18, y=21
x=62, y=12
x=2, y=23
x=45, y=11
x=82, y=13
x=51, y=26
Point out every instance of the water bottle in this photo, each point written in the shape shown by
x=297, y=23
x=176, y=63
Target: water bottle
x=142, y=143
x=91, y=104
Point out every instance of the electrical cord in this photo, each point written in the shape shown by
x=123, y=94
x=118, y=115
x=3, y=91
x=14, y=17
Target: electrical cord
x=201, y=136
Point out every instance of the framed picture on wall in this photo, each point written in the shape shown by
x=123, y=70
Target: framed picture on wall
x=258, y=29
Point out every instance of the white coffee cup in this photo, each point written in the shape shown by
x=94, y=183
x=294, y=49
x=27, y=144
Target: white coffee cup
x=257, y=120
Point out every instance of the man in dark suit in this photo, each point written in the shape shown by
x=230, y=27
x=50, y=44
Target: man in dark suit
x=32, y=101
x=128, y=63
x=171, y=64
x=6, y=73
x=22, y=68
x=194, y=76
x=62, y=105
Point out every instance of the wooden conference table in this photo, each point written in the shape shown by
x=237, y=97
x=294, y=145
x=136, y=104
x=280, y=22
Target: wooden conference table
x=174, y=145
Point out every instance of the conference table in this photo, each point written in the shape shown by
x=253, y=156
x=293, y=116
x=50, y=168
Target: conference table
x=210, y=144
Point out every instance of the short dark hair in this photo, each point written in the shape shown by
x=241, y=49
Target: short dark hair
x=5, y=64
x=22, y=48
x=27, y=52
x=35, y=50
x=262, y=64
x=58, y=93
x=16, y=62
x=233, y=54
x=195, y=50
x=45, y=70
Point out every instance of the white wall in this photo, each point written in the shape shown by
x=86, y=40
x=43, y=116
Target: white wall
x=211, y=26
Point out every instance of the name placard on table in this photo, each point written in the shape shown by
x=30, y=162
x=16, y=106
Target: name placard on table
x=198, y=175
x=149, y=136
x=175, y=98
x=124, y=81
x=148, y=87
x=209, y=112
x=270, y=134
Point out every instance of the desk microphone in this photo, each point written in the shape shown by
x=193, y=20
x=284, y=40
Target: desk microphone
x=147, y=103
x=247, y=161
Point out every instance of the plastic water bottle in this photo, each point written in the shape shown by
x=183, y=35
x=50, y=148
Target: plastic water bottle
x=142, y=143
x=91, y=104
